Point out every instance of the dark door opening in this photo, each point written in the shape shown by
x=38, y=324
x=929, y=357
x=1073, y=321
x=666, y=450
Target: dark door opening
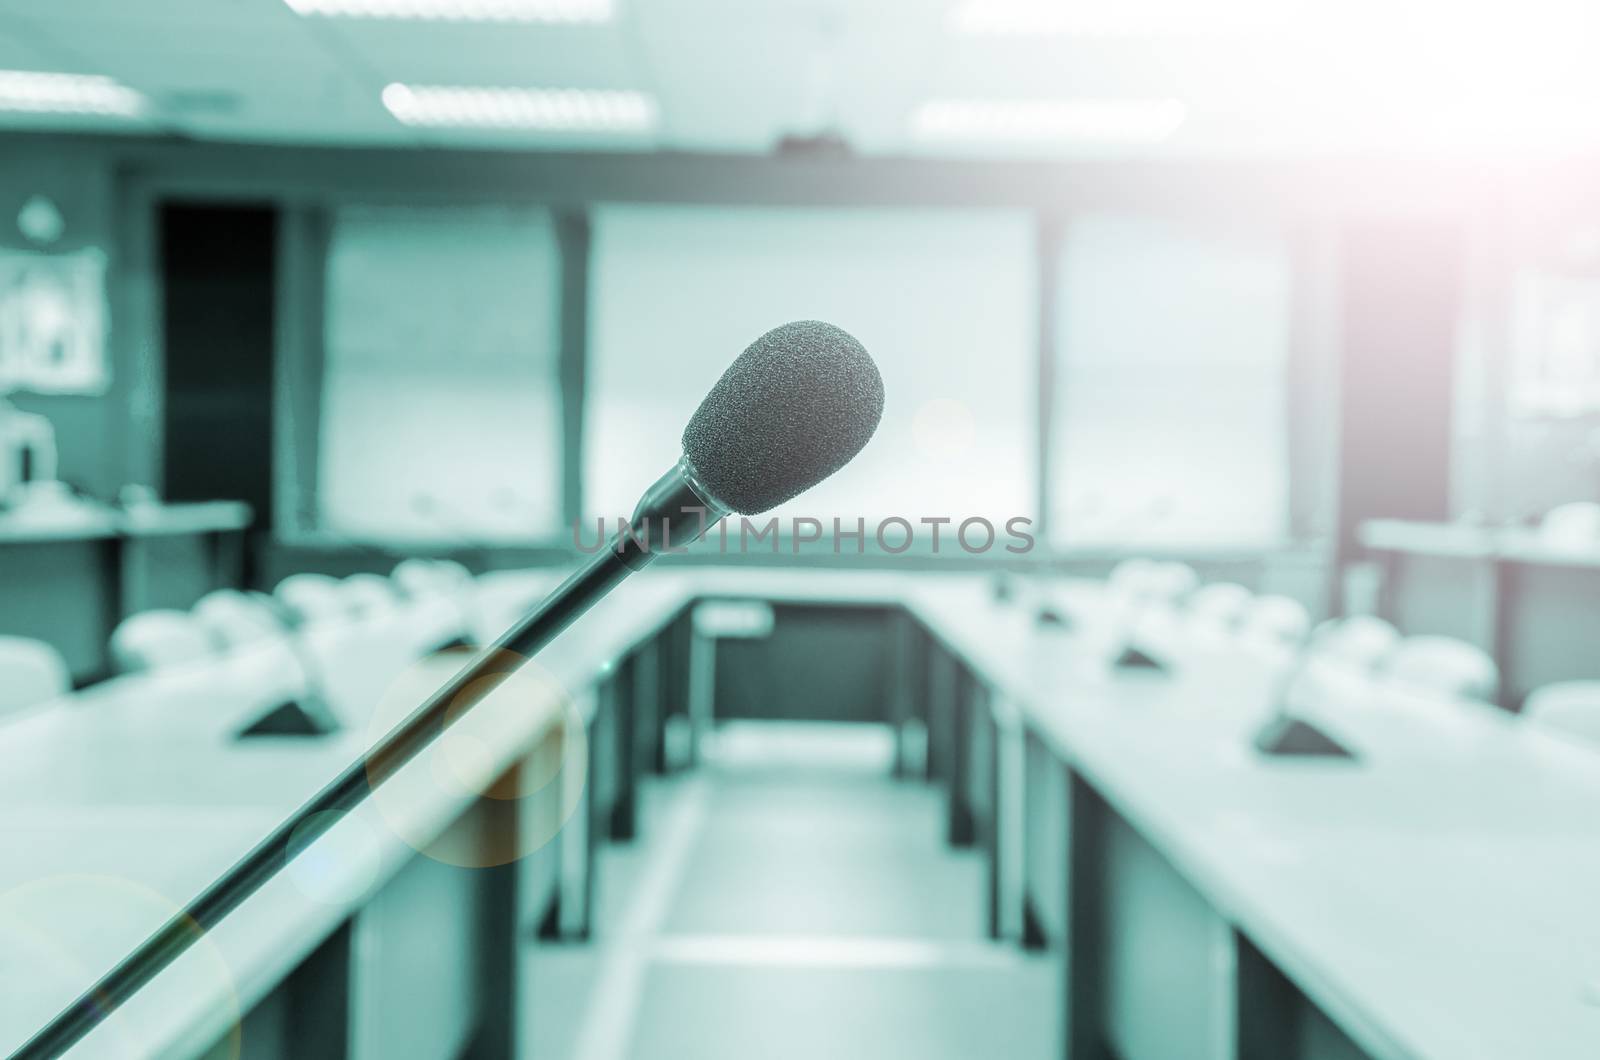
x=218, y=266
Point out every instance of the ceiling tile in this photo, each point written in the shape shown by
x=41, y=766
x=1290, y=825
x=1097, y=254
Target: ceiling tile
x=238, y=15
x=731, y=90
x=499, y=55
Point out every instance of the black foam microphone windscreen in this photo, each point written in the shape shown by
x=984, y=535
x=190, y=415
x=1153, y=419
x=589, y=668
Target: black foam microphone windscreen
x=795, y=407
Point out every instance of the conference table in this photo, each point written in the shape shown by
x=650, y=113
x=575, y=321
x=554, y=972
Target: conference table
x=83, y=568
x=1432, y=896
x=1514, y=591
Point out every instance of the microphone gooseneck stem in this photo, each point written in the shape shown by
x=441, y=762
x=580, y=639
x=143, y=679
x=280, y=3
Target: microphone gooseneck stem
x=676, y=510
x=676, y=502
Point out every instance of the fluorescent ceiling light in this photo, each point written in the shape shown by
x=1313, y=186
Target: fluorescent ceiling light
x=1123, y=121
x=461, y=10
x=1124, y=19
x=556, y=110
x=38, y=93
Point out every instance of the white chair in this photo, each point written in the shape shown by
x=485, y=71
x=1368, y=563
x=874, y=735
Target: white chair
x=1145, y=594
x=1575, y=525
x=235, y=619
x=1138, y=585
x=454, y=574
x=1361, y=642
x=31, y=672
x=352, y=664
x=312, y=597
x=1220, y=605
x=430, y=625
x=417, y=577
x=440, y=586
x=1132, y=577
x=501, y=597
x=1444, y=665
x=1276, y=620
x=156, y=640
x=1172, y=581
x=1568, y=707
x=212, y=698
x=368, y=595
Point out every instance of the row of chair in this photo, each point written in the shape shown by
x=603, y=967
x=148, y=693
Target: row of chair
x=229, y=619
x=441, y=599
x=308, y=616
x=1438, y=664
x=1443, y=665
x=1218, y=608
x=1360, y=644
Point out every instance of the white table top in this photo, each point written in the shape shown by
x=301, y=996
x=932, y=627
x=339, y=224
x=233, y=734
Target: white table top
x=139, y=785
x=203, y=517
x=1517, y=544
x=1463, y=540
x=87, y=521
x=1437, y=898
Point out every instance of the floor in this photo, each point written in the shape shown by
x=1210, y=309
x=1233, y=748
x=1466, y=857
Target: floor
x=789, y=900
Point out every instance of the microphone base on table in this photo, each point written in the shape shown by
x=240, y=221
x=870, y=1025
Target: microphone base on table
x=1287, y=737
x=1055, y=619
x=1135, y=658
x=290, y=718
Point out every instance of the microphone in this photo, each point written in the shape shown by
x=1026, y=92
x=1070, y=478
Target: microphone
x=1284, y=733
x=795, y=407
x=791, y=410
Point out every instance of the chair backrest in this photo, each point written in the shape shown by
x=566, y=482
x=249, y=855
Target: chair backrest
x=417, y=577
x=1444, y=665
x=1358, y=641
x=455, y=575
x=1139, y=583
x=1131, y=576
x=31, y=672
x=368, y=594
x=428, y=625
x=234, y=619
x=312, y=597
x=500, y=597
x=1275, y=620
x=155, y=640
x=1173, y=581
x=1220, y=603
x=1570, y=707
x=1575, y=525
x=352, y=664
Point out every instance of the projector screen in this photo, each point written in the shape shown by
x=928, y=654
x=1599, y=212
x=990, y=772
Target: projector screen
x=945, y=301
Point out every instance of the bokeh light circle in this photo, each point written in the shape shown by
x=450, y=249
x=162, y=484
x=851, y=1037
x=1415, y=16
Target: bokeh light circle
x=46, y=955
x=517, y=798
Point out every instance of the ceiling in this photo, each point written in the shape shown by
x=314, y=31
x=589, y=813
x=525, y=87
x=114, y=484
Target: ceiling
x=735, y=75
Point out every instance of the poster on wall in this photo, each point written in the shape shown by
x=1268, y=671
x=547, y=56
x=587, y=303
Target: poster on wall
x=53, y=322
